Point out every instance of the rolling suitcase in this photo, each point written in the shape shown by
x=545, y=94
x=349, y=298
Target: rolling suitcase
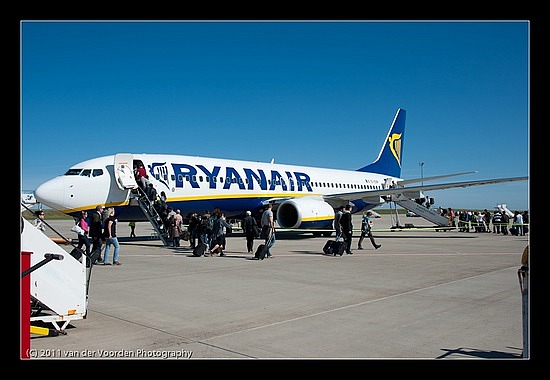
x=94, y=256
x=77, y=253
x=328, y=249
x=261, y=251
x=199, y=249
x=335, y=247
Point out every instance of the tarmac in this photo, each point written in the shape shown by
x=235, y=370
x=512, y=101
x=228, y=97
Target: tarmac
x=424, y=294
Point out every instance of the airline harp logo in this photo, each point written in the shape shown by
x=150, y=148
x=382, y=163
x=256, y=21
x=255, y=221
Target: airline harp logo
x=395, y=146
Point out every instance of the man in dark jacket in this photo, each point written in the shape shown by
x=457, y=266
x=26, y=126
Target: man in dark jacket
x=96, y=231
x=250, y=229
x=347, y=228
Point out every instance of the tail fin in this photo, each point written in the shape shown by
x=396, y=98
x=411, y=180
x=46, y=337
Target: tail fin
x=390, y=156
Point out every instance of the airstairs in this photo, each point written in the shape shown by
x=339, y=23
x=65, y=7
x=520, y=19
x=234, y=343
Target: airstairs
x=420, y=210
x=152, y=215
x=58, y=281
x=125, y=180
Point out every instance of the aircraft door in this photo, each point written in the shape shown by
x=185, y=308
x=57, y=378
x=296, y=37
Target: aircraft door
x=124, y=173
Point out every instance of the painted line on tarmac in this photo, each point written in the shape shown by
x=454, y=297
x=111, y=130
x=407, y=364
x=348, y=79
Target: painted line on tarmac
x=356, y=304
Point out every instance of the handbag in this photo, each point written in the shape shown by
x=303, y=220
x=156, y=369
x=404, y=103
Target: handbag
x=76, y=228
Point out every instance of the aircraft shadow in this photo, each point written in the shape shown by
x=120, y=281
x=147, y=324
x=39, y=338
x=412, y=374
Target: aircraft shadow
x=484, y=354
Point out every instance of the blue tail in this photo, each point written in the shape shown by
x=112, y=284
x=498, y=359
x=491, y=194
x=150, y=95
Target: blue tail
x=390, y=156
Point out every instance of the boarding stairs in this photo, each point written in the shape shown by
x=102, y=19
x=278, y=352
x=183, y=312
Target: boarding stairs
x=420, y=210
x=152, y=215
x=59, y=289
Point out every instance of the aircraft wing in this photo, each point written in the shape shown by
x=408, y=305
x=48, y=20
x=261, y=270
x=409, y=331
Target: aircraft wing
x=426, y=179
x=404, y=189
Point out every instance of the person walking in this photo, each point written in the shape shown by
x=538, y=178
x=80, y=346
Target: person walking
x=132, y=225
x=219, y=227
x=347, y=228
x=110, y=237
x=337, y=217
x=250, y=228
x=39, y=221
x=83, y=238
x=366, y=230
x=268, y=229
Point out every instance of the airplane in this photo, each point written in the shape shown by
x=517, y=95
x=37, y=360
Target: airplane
x=303, y=197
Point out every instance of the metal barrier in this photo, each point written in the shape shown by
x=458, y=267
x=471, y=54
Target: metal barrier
x=523, y=276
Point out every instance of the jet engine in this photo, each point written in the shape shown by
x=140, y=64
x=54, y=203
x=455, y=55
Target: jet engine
x=305, y=213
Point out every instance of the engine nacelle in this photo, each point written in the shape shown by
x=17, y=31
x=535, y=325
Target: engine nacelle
x=305, y=213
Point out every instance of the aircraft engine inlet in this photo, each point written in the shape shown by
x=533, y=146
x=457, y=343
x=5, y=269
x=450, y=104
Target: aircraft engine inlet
x=305, y=213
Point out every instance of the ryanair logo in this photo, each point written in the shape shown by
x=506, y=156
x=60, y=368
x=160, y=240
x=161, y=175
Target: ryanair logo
x=395, y=146
x=197, y=176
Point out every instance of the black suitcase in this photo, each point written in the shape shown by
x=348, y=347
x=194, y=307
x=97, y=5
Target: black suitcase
x=94, y=256
x=77, y=253
x=199, y=249
x=334, y=247
x=261, y=251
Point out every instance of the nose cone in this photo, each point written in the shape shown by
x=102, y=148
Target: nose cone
x=51, y=194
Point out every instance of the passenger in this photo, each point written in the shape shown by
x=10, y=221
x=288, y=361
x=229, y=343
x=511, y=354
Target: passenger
x=517, y=224
x=497, y=220
x=268, y=228
x=505, y=223
x=193, y=229
x=336, y=223
x=161, y=206
x=168, y=221
x=176, y=228
x=525, y=222
x=83, y=240
x=487, y=220
x=132, y=226
x=151, y=193
x=451, y=216
x=250, y=229
x=218, y=234
x=39, y=221
x=366, y=229
x=205, y=231
x=96, y=231
x=347, y=228
x=141, y=177
x=110, y=222
x=462, y=221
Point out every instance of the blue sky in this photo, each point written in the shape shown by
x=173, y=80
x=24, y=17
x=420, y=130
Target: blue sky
x=306, y=93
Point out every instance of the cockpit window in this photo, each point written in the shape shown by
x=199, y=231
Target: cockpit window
x=97, y=172
x=86, y=172
x=73, y=172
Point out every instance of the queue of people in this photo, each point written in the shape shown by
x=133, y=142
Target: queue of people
x=496, y=222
